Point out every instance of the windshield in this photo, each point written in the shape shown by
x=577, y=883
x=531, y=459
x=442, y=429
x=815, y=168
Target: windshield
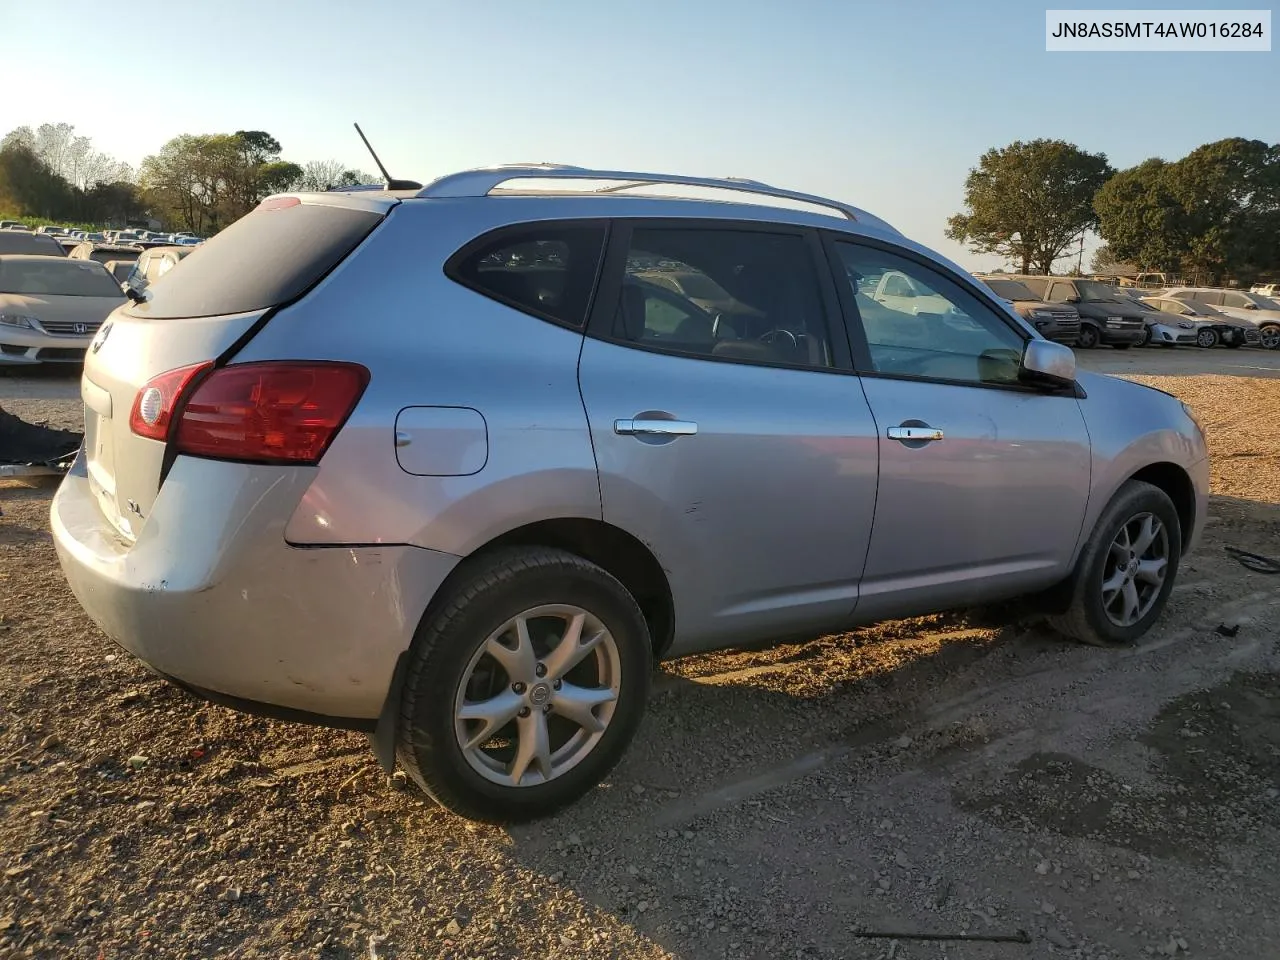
x=1010, y=290
x=63, y=278
x=700, y=287
x=1092, y=290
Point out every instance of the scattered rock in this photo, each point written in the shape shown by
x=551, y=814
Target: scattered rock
x=900, y=858
x=138, y=761
x=1043, y=867
x=1047, y=907
x=637, y=789
x=51, y=742
x=452, y=928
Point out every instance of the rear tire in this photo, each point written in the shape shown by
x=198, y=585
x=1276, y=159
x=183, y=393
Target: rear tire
x=1095, y=612
x=508, y=611
x=1270, y=337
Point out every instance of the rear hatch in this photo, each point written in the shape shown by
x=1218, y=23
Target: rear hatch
x=203, y=311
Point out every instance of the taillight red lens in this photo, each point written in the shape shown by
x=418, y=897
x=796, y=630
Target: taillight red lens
x=153, y=406
x=285, y=411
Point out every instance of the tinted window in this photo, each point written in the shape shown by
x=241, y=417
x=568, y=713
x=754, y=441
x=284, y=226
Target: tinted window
x=1239, y=300
x=1211, y=297
x=729, y=294
x=1036, y=285
x=1011, y=290
x=942, y=332
x=1173, y=306
x=67, y=278
x=17, y=241
x=265, y=258
x=546, y=270
x=1060, y=292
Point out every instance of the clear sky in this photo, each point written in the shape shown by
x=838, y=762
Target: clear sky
x=883, y=104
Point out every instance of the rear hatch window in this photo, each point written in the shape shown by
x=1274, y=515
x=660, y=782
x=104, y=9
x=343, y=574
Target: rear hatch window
x=264, y=259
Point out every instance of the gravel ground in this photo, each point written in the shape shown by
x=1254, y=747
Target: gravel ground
x=939, y=775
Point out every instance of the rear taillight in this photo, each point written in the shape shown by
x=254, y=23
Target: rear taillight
x=280, y=411
x=284, y=411
x=153, y=407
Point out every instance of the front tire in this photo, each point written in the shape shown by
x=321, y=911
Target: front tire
x=1088, y=338
x=1207, y=338
x=1126, y=569
x=1270, y=337
x=525, y=687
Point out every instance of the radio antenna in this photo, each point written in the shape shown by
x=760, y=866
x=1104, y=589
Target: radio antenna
x=391, y=182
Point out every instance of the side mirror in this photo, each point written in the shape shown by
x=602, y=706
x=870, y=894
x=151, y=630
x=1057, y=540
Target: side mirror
x=1048, y=363
x=1071, y=300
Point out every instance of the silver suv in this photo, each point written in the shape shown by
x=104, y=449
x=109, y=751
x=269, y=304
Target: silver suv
x=456, y=465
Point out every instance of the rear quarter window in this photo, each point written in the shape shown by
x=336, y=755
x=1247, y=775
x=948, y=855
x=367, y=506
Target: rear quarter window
x=548, y=270
x=268, y=257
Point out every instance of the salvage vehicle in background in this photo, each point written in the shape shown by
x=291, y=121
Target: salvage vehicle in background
x=1107, y=317
x=23, y=242
x=1211, y=324
x=445, y=464
x=1254, y=308
x=1059, y=322
x=50, y=307
x=102, y=252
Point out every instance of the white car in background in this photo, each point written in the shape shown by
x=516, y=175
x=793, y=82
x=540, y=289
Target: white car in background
x=1212, y=326
x=1254, y=308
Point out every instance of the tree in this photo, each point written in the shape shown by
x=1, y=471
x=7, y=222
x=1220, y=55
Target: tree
x=29, y=186
x=205, y=182
x=321, y=175
x=69, y=156
x=1104, y=258
x=1030, y=201
x=1216, y=211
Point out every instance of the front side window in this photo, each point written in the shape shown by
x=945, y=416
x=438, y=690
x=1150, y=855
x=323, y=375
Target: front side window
x=941, y=332
x=1061, y=292
x=545, y=269
x=725, y=294
x=1173, y=306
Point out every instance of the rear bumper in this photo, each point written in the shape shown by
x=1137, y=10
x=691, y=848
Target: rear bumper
x=211, y=595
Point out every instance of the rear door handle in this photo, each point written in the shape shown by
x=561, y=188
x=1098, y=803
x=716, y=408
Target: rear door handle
x=918, y=434
x=655, y=428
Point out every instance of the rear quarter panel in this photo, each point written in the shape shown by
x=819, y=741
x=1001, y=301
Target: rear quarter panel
x=428, y=341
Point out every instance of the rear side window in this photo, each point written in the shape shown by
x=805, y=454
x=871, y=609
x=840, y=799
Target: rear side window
x=548, y=270
x=1036, y=286
x=266, y=258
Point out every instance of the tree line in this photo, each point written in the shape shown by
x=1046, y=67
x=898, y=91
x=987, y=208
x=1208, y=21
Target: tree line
x=195, y=182
x=1213, y=213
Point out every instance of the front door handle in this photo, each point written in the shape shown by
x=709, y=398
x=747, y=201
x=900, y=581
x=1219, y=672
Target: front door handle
x=920, y=434
x=655, y=428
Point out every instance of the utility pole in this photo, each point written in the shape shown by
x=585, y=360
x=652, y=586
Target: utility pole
x=1080, y=258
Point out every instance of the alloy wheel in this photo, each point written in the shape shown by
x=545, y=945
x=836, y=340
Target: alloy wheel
x=1206, y=338
x=1270, y=337
x=537, y=695
x=1134, y=571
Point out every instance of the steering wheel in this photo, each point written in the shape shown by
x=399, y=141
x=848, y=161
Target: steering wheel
x=768, y=336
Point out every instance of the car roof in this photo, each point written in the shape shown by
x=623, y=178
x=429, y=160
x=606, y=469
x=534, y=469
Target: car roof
x=578, y=192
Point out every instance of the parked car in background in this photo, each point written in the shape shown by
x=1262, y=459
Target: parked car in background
x=153, y=264
x=102, y=252
x=68, y=244
x=1060, y=322
x=471, y=526
x=20, y=241
x=17, y=226
x=120, y=269
x=1211, y=324
x=51, y=307
x=6, y=224
x=1266, y=289
x=1106, y=315
x=1253, y=308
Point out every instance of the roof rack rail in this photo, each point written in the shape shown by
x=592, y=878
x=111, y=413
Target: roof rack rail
x=482, y=181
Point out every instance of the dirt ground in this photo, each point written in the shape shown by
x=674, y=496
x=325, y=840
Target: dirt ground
x=936, y=776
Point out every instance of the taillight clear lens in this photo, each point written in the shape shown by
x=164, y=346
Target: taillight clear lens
x=280, y=411
x=153, y=407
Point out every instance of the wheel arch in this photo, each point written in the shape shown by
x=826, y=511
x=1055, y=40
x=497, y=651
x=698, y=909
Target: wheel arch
x=609, y=547
x=1176, y=482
